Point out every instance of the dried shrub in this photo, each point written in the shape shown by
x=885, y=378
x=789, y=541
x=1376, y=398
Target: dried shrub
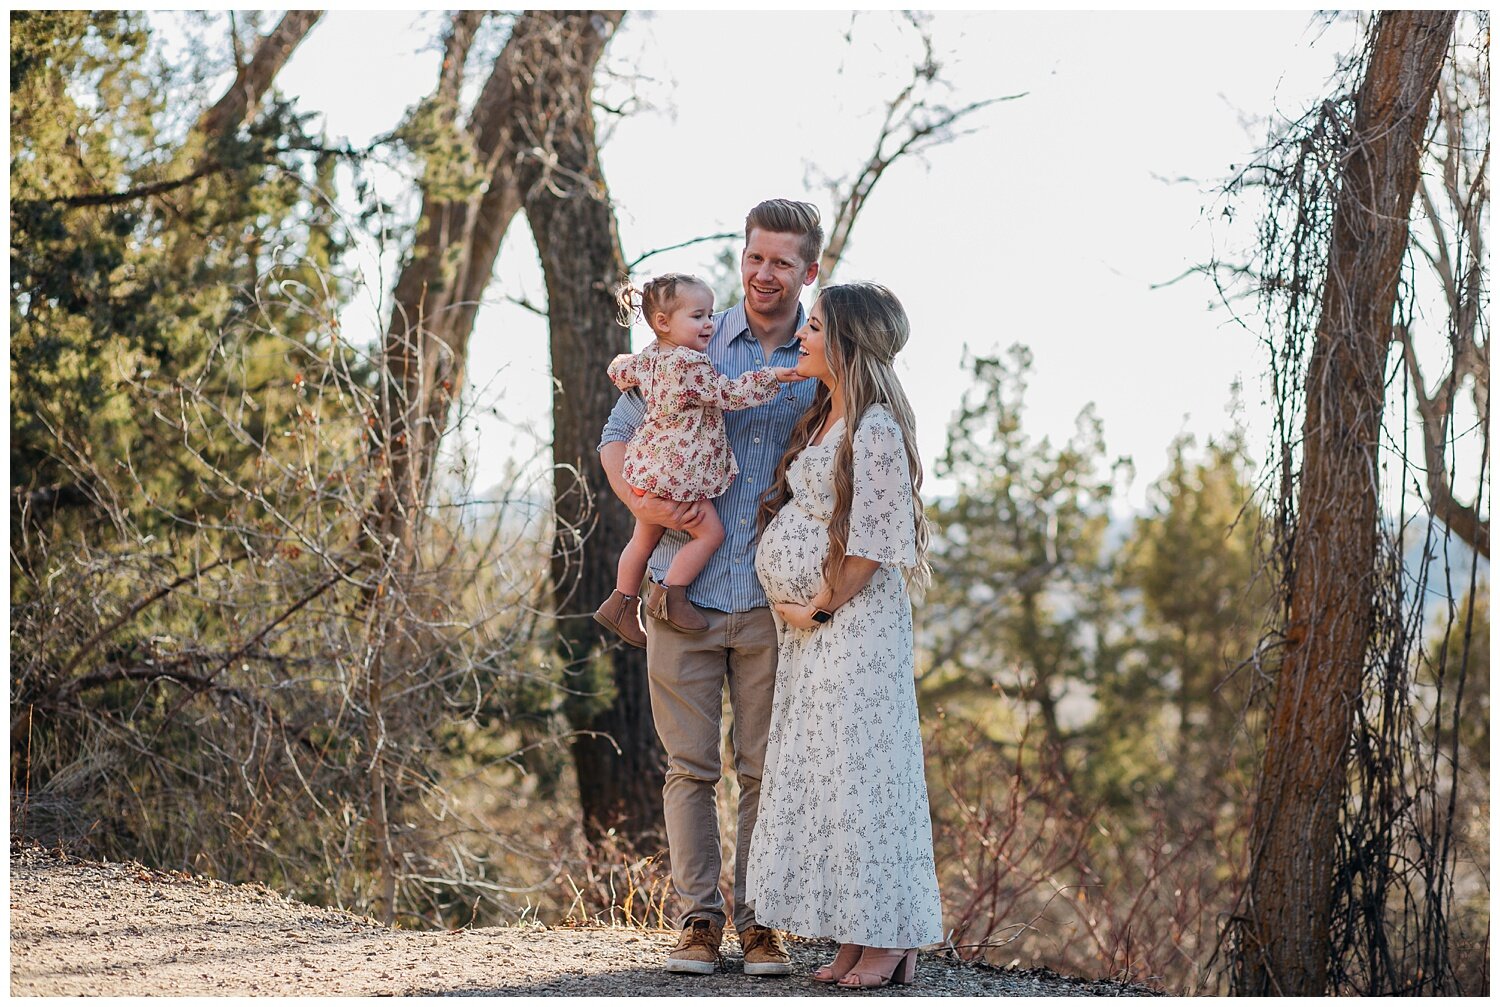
x=219, y=671
x=611, y=883
x=1032, y=876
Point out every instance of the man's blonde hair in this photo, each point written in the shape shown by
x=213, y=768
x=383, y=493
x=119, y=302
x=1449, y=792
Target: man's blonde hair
x=788, y=216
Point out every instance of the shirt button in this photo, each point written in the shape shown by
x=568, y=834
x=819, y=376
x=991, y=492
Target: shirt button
x=757, y=440
x=742, y=520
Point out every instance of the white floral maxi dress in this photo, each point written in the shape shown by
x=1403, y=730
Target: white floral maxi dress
x=843, y=844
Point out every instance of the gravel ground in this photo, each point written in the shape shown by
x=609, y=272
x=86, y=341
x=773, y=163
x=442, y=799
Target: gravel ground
x=79, y=928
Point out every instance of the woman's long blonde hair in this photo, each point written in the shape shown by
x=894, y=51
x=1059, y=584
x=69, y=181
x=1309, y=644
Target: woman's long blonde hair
x=864, y=327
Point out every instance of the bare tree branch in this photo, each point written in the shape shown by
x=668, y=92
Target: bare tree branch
x=135, y=609
x=911, y=125
x=1454, y=210
x=681, y=244
x=206, y=167
x=522, y=302
x=1436, y=410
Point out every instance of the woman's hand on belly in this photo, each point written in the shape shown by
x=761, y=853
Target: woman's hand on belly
x=799, y=616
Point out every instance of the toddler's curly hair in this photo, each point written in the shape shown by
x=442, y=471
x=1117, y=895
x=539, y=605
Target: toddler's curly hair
x=657, y=294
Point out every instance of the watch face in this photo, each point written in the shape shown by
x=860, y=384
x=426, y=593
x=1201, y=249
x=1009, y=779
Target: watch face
x=821, y=616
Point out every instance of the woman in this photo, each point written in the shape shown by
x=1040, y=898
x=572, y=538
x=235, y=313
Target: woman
x=843, y=844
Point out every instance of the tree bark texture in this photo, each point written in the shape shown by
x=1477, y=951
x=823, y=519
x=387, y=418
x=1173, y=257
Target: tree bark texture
x=1286, y=943
x=615, y=749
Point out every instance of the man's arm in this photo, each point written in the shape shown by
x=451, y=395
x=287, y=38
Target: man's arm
x=647, y=509
x=624, y=419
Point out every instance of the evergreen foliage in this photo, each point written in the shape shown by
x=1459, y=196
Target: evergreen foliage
x=1127, y=640
x=135, y=240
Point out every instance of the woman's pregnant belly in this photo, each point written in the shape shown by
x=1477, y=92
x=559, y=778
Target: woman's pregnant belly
x=789, y=558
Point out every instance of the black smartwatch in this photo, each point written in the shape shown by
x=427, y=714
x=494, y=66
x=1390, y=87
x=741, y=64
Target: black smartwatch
x=821, y=615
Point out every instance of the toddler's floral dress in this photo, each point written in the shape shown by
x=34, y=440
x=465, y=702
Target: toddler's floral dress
x=680, y=451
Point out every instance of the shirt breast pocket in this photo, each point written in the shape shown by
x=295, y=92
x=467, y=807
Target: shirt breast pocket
x=801, y=398
x=789, y=409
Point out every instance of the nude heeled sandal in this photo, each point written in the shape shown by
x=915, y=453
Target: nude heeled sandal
x=843, y=962
x=903, y=969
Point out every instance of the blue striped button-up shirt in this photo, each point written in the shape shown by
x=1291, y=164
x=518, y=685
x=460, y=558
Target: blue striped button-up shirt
x=758, y=438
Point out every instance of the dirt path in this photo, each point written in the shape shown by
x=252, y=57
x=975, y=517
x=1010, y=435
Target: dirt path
x=79, y=928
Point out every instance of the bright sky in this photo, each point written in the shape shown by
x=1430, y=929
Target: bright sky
x=1048, y=226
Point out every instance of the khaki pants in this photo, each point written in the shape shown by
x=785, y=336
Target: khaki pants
x=687, y=672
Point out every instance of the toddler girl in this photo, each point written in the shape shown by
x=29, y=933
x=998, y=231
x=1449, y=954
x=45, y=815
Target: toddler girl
x=680, y=451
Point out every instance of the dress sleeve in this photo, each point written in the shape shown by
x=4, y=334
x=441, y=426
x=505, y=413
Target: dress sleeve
x=701, y=383
x=882, y=523
x=622, y=372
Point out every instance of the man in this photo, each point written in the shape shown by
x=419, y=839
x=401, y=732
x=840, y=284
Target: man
x=688, y=671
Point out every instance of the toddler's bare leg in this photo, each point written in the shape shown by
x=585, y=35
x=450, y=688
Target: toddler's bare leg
x=698, y=550
x=636, y=556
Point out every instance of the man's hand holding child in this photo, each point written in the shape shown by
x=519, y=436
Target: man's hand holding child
x=666, y=513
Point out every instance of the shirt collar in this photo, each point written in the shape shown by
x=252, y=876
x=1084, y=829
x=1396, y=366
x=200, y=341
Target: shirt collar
x=737, y=324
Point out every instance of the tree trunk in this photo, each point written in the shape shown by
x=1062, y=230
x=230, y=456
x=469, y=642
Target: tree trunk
x=615, y=749
x=253, y=79
x=426, y=347
x=532, y=130
x=1286, y=942
x=437, y=294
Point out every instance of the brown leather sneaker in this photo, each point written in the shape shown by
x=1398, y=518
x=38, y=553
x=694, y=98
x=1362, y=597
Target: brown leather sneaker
x=670, y=605
x=621, y=613
x=697, y=948
x=765, y=954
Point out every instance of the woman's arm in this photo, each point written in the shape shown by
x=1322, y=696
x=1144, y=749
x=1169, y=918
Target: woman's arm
x=851, y=580
x=882, y=525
